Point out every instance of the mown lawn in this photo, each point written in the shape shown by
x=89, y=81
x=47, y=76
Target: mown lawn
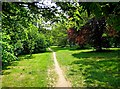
x=28, y=72
x=87, y=68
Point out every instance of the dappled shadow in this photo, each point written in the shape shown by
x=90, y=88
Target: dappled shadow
x=78, y=48
x=25, y=57
x=6, y=72
x=47, y=51
x=99, y=69
x=94, y=54
x=9, y=66
x=56, y=48
x=6, y=68
x=13, y=63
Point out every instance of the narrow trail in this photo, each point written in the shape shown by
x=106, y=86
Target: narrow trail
x=62, y=82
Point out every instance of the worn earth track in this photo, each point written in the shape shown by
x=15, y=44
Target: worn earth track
x=62, y=82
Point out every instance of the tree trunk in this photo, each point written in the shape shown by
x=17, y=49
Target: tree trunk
x=99, y=48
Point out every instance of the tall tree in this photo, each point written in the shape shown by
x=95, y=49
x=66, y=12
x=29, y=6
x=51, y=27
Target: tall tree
x=20, y=32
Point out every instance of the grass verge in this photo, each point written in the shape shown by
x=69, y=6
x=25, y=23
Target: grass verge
x=28, y=72
x=87, y=68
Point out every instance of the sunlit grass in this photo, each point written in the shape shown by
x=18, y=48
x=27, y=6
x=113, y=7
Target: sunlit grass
x=87, y=68
x=28, y=72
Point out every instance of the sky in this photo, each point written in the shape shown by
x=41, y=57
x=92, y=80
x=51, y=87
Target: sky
x=48, y=3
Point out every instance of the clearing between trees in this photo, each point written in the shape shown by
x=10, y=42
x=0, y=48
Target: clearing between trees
x=82, y=68
x=87, y=68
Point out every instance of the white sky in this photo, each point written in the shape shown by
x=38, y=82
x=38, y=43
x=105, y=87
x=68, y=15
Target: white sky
x=48, y=3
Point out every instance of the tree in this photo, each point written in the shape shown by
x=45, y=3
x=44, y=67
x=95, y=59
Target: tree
x=110, y=10
x=18, y=26
x=15, y=22
x=91, y=33
x=114, y=36
x=7, y=50
x=100, y=14
x=72, y=35
x=59, y=34
x=41, y=43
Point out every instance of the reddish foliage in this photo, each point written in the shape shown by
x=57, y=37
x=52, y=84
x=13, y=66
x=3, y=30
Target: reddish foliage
x=71, y=34
x=80, y=37
x=111, y=32
x=90, y=33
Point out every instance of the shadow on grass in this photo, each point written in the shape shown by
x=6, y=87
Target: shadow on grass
x=7, y=66
x=13, y=63
x=99, y=69
x=103, y=54
x=57, y=48
x=25, y=57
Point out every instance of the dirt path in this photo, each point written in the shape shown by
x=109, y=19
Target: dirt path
x=62, y=82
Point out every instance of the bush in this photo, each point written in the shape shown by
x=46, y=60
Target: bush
x=7, y=53
x=40, y=44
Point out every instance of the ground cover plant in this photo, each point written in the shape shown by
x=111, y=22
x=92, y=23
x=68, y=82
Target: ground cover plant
x=69, y=28
x=87, y=68
x=28, y=72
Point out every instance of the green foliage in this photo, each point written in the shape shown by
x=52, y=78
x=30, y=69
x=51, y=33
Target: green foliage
x=114, y=20
x=7, y=53
x=40, y=44
x=32, y=34
x=110, y=10
x=18, y=47
x=7, y=50
x=59, y=34
x=36, y=41
x=23, y=23
x=87, y=68
x=20, y=34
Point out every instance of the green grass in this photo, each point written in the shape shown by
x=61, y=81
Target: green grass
x=87, y=68
x=28, y=72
